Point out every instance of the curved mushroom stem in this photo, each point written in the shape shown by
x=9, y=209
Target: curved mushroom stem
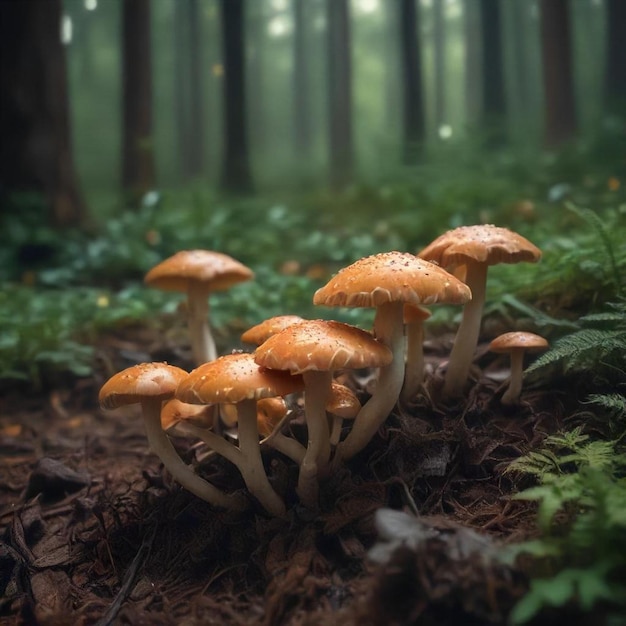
x=414, y=368
x=335, y=430
x=388, y=328
x=512, y=394
x=163, y=448
x=317, y=386
x=252, y=468
x=468, y=332
x=202, y=342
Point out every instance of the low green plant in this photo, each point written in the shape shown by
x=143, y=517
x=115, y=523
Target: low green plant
x=579, y=561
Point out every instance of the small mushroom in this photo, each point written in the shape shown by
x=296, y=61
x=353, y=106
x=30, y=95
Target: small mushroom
x=476, y=248
x=264, y=330
x=198, y=273
x=315, y=349
x=149, y=384
x=516, y=344
x=342, y=404
x=237, y=379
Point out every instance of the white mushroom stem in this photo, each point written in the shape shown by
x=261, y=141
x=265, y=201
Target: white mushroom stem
x=202, y=341
x=512, y=394
x=468, y=332
x=414, y=368
x=317, y=387
x=252, y=469
x=289, y=447
x=335, y=430
x=163, y=448
x=389, y=329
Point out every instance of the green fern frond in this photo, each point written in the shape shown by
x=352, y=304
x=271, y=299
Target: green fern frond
x=613, y=403
x=582, y=349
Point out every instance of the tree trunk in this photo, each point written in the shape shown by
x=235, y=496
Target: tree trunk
x=236, y=174
x=190, y=109
x=413, y=111
x=493, y=97
x=439, y=40
x=302, y=96
x=341, y=158
x=473, y=55
x=615, y=80
x=558, y=82
x=35, y=142
x=138, y=172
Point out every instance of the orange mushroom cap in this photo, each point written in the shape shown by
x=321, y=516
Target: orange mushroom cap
x=518, y=340
x=323, y=346
x=145, y=380
x=483, y=243
x=218, y=271
x=264, y=330
x=391, y=277
x=233, y=378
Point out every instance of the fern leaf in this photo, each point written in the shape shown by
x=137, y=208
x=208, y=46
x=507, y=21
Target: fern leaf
x=613, y=403
x=581, y=349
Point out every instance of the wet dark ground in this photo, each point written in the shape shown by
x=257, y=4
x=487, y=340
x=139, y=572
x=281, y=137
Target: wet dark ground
x=93, y=531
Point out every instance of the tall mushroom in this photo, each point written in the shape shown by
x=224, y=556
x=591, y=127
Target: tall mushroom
x=516, y=344
x=198, y=273
x=315, y=349
x=386, y=281
x=150, y=384
x=475, y=247
x=237, y=379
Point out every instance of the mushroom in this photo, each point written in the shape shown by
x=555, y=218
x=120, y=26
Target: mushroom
x=198, y=273
x=237, y=379
x=316, y=348
x=264, y=330
x=475, y=247
x=272, y=413
x=149, y=384
x=515, y=344
x=414, y=317
x=342, y=404
x=386, y=281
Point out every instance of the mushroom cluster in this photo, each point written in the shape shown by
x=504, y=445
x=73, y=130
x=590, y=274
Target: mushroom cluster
x=238, y=405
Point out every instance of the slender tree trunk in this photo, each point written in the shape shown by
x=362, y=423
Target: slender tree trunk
x=410, y=50
x=189, y=80
x=439, y=37
x=302, y=96
x=341, y=156
x=236, y=174
x=138, y=172
x=558, y=83
x=493, y=96
x=473, y=55
x=615, y=77
x=35, y=142
x=257, y=109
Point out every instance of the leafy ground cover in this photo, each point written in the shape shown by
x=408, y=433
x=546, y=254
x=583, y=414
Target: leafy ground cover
x=472, y=513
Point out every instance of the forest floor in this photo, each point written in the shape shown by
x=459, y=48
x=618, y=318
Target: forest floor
x=92, y=530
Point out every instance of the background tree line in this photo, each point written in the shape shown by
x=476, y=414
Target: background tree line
x=136, y=94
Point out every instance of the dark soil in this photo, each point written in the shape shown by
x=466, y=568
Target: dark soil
x=93, y=531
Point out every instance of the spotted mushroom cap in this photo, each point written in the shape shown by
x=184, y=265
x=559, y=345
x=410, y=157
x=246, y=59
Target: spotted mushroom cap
x=264, y=330
x=322, y=345
x=233, y=378
x=145, y=380
x=342, y=402
x=518, y=340
x=392, y=277
x=218, y=271
x=484, y=243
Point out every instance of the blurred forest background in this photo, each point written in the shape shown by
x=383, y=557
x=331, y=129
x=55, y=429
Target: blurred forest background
x=298, y=135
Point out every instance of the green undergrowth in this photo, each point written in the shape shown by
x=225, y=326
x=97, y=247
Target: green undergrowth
x=579, y=560
x=52, y=281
